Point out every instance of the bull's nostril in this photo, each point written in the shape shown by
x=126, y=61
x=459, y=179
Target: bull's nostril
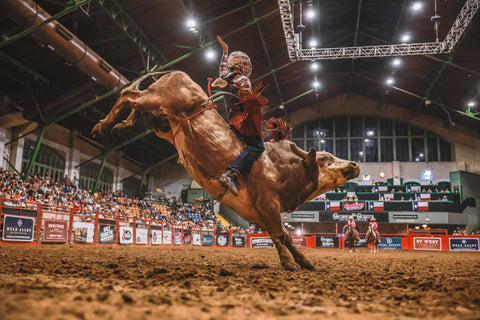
x=354, y=164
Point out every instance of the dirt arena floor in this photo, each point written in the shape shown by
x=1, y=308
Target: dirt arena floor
x=87, y=282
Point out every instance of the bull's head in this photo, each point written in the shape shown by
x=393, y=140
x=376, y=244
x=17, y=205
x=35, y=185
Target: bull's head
x=332, y=172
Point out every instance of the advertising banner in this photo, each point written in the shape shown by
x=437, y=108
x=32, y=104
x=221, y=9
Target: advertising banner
x=390, y=243
x=177, y=236
x=167, y=235
x=326, y=241
x=427, y=243
x=353, y=206
x=141, y=236
x=196, y=238
x=464, y=244
x=299, y=242
x=222, y=239
x=343, y=216
x=126, y=235
x=187, y=236
x=239, y=239
x=261, y=243
x=332, y=205
x=207, y=238
x=55, y=231
x=106, y=233
x=18, y=228
x=156, y=237
x=83, y=231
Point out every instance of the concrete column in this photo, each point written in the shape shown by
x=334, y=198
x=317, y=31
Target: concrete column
x=396, y=172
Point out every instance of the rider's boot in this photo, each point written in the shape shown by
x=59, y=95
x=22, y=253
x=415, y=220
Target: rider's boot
x=228, y=179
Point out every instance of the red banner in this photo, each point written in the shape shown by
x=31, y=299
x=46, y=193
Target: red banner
x=55, y=231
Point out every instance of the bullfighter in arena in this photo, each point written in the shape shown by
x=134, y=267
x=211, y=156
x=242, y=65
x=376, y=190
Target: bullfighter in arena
x=245, y=112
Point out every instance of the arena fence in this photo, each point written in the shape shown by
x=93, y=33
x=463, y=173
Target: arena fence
x=28, y=223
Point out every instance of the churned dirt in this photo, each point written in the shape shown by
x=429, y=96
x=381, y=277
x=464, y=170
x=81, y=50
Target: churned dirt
x=88, y=282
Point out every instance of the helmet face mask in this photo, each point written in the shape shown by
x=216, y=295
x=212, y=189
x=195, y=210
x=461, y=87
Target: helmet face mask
x=239, y=61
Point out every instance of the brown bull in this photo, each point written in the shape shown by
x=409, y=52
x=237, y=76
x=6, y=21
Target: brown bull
x=280, y=180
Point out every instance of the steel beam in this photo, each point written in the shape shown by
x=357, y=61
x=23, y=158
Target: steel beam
x=265, y=49
x=119, y=146
x=133, y=31
x=20, y=67
x=355, y=39
x=100, y=171
x=296, y=53
x=35, y=153
x=290, y=100
x=414, y=95
x=156, y=164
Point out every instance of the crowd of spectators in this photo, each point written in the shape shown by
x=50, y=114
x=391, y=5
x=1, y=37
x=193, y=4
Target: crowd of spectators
x=66, y=194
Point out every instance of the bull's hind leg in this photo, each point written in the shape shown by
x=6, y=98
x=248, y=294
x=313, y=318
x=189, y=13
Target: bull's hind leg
x=297, y=255
x=126, y=100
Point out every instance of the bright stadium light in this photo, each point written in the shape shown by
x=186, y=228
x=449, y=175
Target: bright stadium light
x=389, y=81
x=210, y=54
x=298, y=232
x=396, y=62
x=313, y=43
x=406, y=37
x=316, y=84
x=314, y=66
x=310, y=13
x=417, y=5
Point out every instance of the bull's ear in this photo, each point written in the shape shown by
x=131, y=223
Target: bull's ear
x=311, y=158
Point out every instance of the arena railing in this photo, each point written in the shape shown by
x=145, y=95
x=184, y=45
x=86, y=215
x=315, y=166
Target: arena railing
x=32, y=223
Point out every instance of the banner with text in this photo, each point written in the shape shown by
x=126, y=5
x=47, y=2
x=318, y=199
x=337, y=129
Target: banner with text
x=18, y=228
x=390, y=243
x=327, y=241
x=261, y=243
x=55, y=231
x=106, y=233
x=464, y=244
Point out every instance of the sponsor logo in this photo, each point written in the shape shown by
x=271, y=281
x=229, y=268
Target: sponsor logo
x=427, y=243
x=464, y=244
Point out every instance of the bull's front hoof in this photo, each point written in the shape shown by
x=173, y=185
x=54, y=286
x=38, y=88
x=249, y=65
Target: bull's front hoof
x=306, y=264
x=119, y=127
x=290, y=266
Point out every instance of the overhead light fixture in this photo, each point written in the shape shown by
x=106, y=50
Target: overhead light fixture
x=192, y=25
x=313, y=43
x=406, y=37
x=370, y=133
x=417, y=5
x=389, y=81
x=471, y=104
x=316, y=84
x=314, y=66
x=210, y=54
x=396, y=62
x=310, y=13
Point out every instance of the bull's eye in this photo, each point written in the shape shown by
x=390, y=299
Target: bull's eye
x=323, y=158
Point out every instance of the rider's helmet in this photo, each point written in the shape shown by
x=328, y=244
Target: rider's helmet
x=373, y=219
x=351, y=218
x=238, y=60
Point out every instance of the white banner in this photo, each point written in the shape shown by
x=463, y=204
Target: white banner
x=167, y=236
x=83, y=231
x=156, y=236
x=126, y=235
x=141, y=236
x=196, y=239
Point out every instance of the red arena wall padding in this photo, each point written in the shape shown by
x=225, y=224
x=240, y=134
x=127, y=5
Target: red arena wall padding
x=30, y=223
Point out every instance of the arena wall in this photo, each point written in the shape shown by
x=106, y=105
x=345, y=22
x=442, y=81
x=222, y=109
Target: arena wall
x=71, y=145
x=466, y=140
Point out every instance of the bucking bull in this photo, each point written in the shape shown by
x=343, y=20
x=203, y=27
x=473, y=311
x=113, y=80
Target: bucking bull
x=284, y=176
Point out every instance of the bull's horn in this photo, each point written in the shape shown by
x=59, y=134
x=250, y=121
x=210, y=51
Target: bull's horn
x=299, y=152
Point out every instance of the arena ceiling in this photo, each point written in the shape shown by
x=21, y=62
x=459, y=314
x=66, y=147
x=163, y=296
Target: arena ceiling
x=134, y=36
